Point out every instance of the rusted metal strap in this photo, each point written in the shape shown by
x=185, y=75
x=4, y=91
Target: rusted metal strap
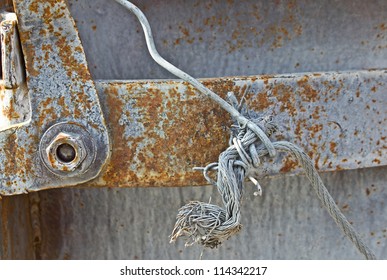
x=162, y=129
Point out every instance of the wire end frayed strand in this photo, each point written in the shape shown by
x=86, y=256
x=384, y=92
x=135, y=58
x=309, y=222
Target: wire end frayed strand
x=203, y=223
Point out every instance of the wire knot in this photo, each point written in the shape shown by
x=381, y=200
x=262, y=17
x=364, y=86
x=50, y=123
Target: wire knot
x=210, y=224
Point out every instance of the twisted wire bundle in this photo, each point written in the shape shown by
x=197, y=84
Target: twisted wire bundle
x=210, y=224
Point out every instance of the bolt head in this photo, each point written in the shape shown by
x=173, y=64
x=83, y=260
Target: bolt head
x=67, y=149
x=55, y=149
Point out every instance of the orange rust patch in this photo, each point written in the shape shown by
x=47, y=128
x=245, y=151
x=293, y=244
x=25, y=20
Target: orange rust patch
x=298, y=131
x=376, y=160
x=316, y=128
x=120, y=156
x=18, y=161
x=316, y=113
x=307, y=92
x=10, y=111
x=285, y=97
x=262, y=102
x=289, y=164
x=9, y=165
x=61, y=103
x=332, y=147
x=70, y=63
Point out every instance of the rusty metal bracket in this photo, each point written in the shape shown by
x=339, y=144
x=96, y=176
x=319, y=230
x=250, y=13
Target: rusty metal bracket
x=160, y=130
x=62, y=99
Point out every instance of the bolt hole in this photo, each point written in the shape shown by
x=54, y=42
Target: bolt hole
x=65, y=153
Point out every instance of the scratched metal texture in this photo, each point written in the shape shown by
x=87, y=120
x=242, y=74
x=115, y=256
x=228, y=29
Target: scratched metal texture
x=283, y=37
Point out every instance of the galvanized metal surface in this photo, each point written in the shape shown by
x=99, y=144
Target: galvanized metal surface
x=287, y=223
x=60, y=89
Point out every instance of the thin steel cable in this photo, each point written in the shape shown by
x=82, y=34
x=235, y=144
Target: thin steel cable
x=325, y=198
x=210, y=224
x=184, y=76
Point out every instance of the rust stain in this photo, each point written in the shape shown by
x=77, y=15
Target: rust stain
x=307, y=92
x=315, y=129
x=17, y=161
x=332, y=147
x=121, y=156
x=10, y=111
x=62, y=104
x=69, y=61
x=10, y=164
x=298, y=132
x=159, y=157
x=263, y=102
x=34, y=7
x=250, y=29
x=285, y=97
x=289, y=164
x=57, y=47
x=170, y=142
x=377, y=161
